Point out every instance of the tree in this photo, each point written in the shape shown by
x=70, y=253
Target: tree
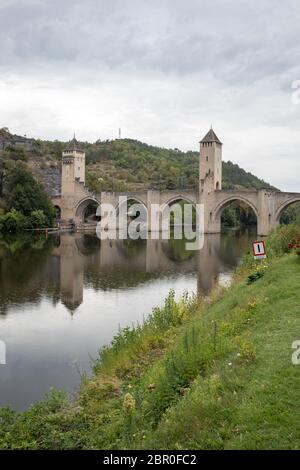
x=23, y=193
x=38, y=219
x=12, y=222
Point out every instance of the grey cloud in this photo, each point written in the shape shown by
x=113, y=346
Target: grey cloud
x=236, y=40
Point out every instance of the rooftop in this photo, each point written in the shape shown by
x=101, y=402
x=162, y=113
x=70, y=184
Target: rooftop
x=73, y=146
x=211, y=137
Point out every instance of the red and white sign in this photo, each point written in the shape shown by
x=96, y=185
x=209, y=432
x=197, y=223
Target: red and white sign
x=259, y=250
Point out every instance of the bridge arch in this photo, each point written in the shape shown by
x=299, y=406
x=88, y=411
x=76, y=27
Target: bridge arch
x=57, y=209
x=178, y=198
x=82, y=205
x=142, y=215
x=130, y=198
x=284, y=206
x=215, y=215
x=221, y=206
x=177, y=218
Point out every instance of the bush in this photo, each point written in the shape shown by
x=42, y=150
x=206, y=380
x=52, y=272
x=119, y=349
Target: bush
x=280, y=238
x=26, y=196
x=12, y=222
x=38, y=219
x=16, y=153
x=255, y=276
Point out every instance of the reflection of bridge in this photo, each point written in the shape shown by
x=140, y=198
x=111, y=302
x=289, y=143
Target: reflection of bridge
x=267, y=204
x=106, y=264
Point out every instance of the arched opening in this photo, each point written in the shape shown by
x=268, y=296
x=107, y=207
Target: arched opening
x=179, y=213
x=217, y=186
x=86, y=211
x=90, y=212
x=57, y=212
x=132, y=211
x=237, y=214
x=290, y=213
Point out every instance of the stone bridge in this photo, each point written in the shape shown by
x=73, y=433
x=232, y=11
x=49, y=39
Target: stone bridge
x=267, y=204
x=74, y=207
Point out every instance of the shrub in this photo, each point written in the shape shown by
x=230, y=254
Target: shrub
x=255, y=276
x=16, y=153
x=280, y=238
x=295, y=246
x=12, y=222
x=38, y=219
x=24, y=193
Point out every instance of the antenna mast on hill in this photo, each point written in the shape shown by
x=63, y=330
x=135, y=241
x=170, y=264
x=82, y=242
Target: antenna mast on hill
x=120, y=134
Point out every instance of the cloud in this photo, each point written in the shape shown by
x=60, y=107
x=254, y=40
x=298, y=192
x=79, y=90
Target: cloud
x=163, y=70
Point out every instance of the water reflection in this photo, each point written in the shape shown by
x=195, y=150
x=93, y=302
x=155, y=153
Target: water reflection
x=60, y=267
x=62, y=298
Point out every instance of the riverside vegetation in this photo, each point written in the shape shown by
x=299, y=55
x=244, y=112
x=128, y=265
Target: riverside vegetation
x=209, y=373
x=23, y=202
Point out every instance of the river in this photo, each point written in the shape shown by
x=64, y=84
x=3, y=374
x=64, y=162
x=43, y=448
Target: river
x=62, y=298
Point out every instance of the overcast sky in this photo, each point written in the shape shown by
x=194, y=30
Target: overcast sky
x=162, y=70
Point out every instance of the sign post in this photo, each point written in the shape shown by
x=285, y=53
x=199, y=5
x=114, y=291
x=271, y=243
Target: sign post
x=259, y=250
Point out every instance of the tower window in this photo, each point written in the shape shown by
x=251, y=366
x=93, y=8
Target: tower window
x=207, y=159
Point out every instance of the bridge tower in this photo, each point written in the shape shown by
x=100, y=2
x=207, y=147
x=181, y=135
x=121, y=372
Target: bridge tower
x=73, y=168
x=210, y=164
x=72, y=181
x=210, y=178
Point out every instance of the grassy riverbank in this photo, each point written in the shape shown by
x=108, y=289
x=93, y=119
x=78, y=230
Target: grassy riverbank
x=213, y=374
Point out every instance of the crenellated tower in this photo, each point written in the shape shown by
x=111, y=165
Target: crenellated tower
x=73, y=168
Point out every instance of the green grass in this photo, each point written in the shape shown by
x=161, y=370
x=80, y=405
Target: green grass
x=249, y=397
x=210, y=375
